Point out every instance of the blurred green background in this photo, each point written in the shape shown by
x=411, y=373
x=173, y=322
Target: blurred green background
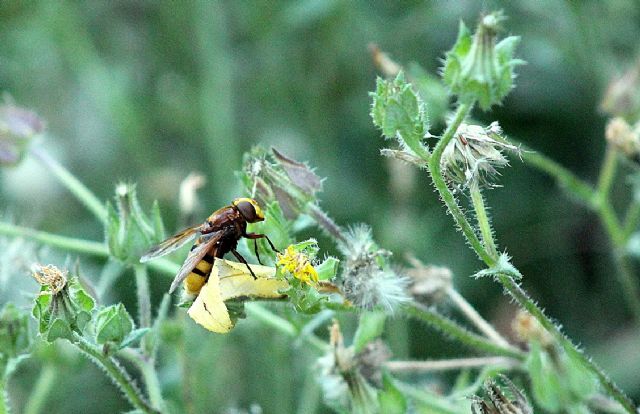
x=149, y=91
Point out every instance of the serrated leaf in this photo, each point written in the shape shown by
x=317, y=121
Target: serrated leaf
x=113, y=324
x=328, y=269
x=58, y=328
x=370, y=327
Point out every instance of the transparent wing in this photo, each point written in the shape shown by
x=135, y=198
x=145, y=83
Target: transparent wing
x=200, y=248
x=170, y=245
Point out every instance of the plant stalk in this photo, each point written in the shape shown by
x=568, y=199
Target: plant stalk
x=483, y=221
x=527, y=303
x=474, y=317
x=40, y=391
x=116, y=373
x=147, y=369
x=454, y=330
x=446, y=195
x=449, y=364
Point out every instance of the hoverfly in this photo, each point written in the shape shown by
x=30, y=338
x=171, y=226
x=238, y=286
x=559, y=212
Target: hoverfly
x=218, y=235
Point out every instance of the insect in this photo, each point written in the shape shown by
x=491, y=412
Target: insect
x=218, y=235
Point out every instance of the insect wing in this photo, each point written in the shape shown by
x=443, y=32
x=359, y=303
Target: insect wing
x=198, y=251
x=170, y=245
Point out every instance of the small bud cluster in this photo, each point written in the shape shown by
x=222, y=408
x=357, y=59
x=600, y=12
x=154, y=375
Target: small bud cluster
x=430, y=284
x=528, y=329
x=473, y=156
x=624, y=138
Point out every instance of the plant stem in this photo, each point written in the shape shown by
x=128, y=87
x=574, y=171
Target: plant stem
x=483, y=221
x=449, y=364
x=475, y=318
x=74, y=185
x=527, y=303
x=607, y=172
x=461, y=334
x=61, y=242
x=143, y=295
x=116, y=373
x=446, y=195
x=326, y=223
x=282, y=325
x=632, y=219
x=40, y=390
x=569, y=181
x=626, y=278
x=4, y=398
x=146, y=368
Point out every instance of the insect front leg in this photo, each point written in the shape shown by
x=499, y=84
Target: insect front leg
x=242, y=260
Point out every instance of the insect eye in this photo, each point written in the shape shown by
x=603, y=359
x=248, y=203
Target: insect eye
x=248, y=211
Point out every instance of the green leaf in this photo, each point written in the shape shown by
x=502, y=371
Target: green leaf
x=58, y=328
x=113, y=324
x=134, y=336
x=391, y=400
x=370, y=327
x=328, y=269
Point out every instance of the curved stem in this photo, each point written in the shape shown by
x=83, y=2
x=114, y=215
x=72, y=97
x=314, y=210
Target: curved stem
x=607, y=172
x=116, y=373
x=74, y=185
x=483, y=221
x=146, y=368
x=516, y=292
x=475, y=318
x=461, y=334
x=446, y=195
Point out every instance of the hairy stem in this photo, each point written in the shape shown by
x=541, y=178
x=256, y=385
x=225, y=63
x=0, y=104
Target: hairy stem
x=449, y=364
x=116, y=373
x=77, y=188
x=146, y=368
x=569, y=181
x=143, y=295
x=523, y=299
x=326, y=223
x=474, y=317
x=483, y=221
x=454, y=330
x=446, y=195
x=40, y=391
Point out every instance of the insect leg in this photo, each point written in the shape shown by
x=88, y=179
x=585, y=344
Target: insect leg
x=242, y=260
x=255, y=248
x=255, y=236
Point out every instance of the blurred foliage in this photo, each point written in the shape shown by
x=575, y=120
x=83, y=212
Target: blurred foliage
x=150, y=91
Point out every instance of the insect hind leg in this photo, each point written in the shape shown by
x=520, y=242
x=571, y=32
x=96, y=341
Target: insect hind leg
x=242, y=260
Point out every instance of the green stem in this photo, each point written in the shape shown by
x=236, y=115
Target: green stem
x=483, y=221
x=517, y=293
x=631, y=220
x=61, y=242
x=143, y=295
x=446, y=195
x=74, y=185
x=607, y=173
x=451, y=328
x=474, y=317
x=449, y=364
x=149, y=374
x=282, y=325
x=569, y=181
x=116, y=373
x=40, y=390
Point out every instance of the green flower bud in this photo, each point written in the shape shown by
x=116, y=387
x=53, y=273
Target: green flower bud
x=17, y=127
x=400, y=113
x=129, y=231
x=479, y=69
x=62, y=307
x=114, y=327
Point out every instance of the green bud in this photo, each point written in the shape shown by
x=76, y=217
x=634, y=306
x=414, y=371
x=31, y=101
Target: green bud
x=478, y=68
x=400, y=113
x=17, y=127
x=129, y=231
x=14, y=336
x=62, y=307
x=114, y=326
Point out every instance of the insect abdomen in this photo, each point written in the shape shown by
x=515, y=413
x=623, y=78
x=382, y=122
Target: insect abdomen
x=198, y=276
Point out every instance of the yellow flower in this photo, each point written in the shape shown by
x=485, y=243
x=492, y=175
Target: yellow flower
x=298, y=264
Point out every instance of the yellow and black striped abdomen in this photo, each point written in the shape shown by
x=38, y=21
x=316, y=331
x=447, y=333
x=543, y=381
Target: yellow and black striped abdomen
x=198, y=276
